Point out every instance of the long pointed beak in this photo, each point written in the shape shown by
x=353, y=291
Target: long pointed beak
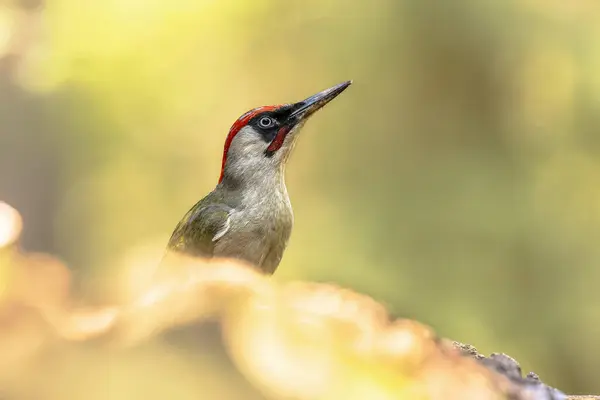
x=306, y=108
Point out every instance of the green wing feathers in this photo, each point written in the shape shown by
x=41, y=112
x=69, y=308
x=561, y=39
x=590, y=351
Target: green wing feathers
x=199, y=230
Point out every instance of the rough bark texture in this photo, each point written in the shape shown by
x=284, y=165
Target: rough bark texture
x=530, y=384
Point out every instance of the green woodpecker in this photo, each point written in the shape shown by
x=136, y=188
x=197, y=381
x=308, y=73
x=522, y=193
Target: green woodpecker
x=248, y=216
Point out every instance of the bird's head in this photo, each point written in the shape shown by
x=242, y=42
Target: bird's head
x=260, y=141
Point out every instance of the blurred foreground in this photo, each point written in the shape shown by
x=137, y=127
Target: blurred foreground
x=299, y=340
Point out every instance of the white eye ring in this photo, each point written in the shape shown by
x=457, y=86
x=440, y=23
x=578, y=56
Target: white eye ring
x=266, y=122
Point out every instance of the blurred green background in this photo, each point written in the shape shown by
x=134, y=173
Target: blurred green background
x=457, y=181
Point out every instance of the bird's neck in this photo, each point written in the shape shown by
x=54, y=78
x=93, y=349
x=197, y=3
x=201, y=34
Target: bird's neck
x=268, y=181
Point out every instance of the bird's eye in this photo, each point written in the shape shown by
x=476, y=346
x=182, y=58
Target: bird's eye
x=266, y=122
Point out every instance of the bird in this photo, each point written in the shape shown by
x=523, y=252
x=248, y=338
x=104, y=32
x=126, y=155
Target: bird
x=248, y=216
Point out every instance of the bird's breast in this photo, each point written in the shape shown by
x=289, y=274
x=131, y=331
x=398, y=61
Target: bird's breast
x=260, y=235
